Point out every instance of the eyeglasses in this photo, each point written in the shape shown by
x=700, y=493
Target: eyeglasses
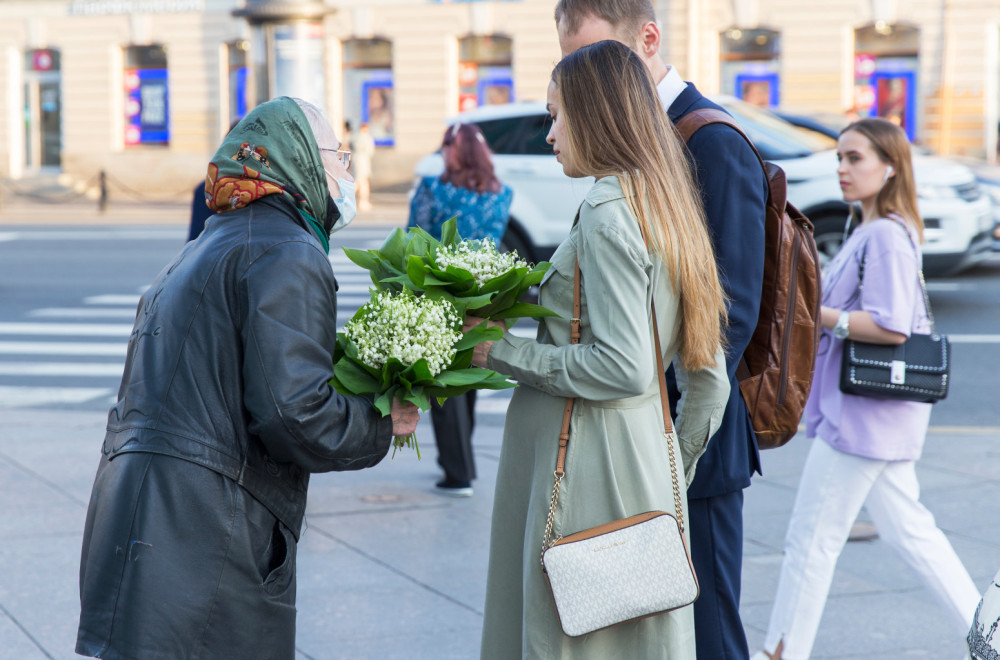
x=343, y=155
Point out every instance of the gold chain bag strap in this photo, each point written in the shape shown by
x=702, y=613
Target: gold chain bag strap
x=626, y=569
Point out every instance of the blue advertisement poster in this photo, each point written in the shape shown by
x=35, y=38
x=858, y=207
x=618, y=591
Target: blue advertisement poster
x=147, y=107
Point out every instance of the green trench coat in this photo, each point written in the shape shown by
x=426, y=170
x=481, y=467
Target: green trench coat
x=617, y=462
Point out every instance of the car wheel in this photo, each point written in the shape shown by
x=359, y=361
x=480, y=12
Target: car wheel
x=828, y=232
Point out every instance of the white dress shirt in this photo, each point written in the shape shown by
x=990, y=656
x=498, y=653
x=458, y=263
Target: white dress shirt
x=670, y=87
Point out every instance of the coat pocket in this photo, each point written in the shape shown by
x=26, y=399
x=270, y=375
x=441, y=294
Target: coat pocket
x=277, y=566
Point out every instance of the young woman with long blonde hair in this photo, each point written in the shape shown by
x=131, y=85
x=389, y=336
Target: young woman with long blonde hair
x=640, y=238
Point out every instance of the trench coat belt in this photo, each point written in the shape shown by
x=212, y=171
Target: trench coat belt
x=629, y=402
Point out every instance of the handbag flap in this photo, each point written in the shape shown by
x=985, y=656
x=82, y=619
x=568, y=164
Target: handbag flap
x=611, y=526
x=927, y=354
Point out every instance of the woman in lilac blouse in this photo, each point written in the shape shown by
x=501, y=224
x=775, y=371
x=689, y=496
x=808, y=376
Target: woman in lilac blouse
x=470, y=191
x=864, y=449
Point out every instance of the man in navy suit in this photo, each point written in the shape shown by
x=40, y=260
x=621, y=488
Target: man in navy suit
x=734, y=192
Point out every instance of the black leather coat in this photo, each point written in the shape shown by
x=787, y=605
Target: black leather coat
x=224, y=410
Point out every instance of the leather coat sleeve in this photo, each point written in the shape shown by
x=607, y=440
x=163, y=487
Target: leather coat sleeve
x=289, y=332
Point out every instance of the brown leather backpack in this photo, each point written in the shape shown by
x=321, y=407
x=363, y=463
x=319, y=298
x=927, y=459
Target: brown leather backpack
x=776, y=369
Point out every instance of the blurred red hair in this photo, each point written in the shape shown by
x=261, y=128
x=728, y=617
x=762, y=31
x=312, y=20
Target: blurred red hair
x=469, y=161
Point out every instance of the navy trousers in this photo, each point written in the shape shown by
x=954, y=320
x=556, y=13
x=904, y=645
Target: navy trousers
x=716, y=536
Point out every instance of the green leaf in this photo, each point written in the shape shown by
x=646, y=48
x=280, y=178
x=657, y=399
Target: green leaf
x=420, y=399
x=523, y=310
x=477, y=335
x=508, y=280
x=354, y=378
x=383, y=402
x=367, y=259
x=536, y=274
x=449, y=232
x=416, y=270
x=394, y=248
x=463, y=376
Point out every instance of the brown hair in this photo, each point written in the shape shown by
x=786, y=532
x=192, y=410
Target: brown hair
x=616, y=126
x=899, y=194
x=625, y=16
x=472, y=167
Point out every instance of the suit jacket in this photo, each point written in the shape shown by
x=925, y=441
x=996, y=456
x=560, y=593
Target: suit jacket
x=734, y=192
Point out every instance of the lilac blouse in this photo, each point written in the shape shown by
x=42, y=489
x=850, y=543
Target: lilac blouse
x=881, y=429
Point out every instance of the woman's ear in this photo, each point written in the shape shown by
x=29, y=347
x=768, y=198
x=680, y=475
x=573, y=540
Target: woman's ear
x=888, y=173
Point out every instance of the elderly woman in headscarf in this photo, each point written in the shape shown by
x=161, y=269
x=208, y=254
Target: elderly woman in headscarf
x=225, y=409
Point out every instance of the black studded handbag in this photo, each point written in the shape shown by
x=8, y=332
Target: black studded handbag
x=916, y=370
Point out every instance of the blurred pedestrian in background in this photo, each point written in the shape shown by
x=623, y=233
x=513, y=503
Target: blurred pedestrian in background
x=200, y=212
x=470, y=190
x=864, y=449
x=363, y=146
x=225, y=408
x=640, y=238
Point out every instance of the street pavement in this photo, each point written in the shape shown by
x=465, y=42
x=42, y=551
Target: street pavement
x=387, y=568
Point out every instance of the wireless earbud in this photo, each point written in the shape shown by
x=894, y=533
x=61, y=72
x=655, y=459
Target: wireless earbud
x=888, y=173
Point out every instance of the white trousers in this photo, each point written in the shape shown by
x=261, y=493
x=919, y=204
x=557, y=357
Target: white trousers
x=833, y=488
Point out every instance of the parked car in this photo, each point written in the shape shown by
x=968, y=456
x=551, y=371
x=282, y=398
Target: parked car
x=830, y=124
x=957, y=215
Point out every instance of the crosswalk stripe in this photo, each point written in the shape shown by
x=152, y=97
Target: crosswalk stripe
x=25, y=397
x=974, y=339
x=112, y=299
x=60, y=369
x=77, y=329
x=63, y=348
x=84, y=312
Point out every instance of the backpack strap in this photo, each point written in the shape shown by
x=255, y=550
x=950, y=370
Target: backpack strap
x=690, y=123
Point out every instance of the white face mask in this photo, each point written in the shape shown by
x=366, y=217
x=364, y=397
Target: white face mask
x=346, y=203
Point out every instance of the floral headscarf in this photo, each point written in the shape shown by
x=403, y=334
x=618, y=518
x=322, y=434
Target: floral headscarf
x=272, y=151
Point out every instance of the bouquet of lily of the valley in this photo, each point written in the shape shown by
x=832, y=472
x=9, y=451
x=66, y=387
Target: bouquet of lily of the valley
x=473, y=275
x=411, y=348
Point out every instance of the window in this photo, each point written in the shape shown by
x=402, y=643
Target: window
x=751, y=65
x=42, y=109
x=886, y=68
x=236, y=75
x=484, y=71
x=147, y=105
x=368, y=88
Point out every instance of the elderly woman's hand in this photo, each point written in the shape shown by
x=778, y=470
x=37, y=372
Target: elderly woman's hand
x=404, y=418
x=481, y=352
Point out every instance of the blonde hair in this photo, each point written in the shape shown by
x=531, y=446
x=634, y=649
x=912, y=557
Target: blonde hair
x=898, y=195
x=616, y=126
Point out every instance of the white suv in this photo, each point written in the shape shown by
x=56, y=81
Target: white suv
x=957, y=216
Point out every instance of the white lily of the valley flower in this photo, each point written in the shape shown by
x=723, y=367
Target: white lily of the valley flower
x=479, y=257
x=406, y=328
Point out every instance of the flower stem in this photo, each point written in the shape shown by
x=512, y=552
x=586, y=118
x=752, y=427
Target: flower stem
x=400, y=441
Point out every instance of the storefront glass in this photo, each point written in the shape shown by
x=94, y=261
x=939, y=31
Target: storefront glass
x=368, y=88
x=484, y=71
x=751, y=65
x=42, y=109
x=147, y=96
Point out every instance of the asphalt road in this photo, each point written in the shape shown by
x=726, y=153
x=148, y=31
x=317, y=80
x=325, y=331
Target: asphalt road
x=68, y=297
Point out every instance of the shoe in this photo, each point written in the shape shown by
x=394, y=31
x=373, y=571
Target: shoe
x=453, y=488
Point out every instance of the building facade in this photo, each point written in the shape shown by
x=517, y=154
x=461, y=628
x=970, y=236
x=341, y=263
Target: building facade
x=145, y=89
